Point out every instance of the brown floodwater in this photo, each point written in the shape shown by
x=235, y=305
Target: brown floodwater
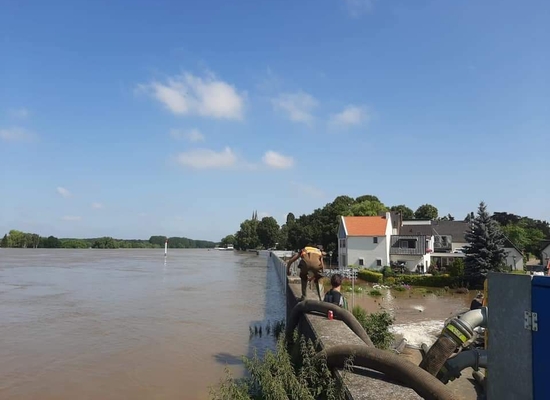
x=123, y=324
x=419, y=313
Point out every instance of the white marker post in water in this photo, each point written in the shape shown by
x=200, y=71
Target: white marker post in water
x=166, y=247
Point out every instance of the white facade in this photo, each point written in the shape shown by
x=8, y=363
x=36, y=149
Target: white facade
x=514, y=258
x=372, y=252
x=363, y=252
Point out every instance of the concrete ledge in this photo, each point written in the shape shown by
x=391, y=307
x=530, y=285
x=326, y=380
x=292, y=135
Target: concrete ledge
x=361, y=383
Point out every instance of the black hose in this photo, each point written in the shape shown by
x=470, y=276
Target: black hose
x=323, y=307
x=438, y=354
x=402, y=370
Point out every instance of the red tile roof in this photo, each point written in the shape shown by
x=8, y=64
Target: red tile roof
x=365, y=226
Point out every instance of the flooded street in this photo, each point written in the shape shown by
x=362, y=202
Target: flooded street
x=121, y=324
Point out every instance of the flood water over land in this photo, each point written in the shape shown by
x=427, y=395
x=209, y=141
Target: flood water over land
x=419, y=313
x=121, y=324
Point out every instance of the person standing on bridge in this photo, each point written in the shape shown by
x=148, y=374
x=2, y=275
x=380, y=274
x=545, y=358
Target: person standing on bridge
x=311, y=262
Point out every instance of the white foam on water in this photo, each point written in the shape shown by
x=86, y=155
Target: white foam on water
x=419, y=308
x=420, y=332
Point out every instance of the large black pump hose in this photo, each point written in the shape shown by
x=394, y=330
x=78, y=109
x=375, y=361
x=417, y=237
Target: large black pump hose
x=402, y=370
x=324, y=307
x=438, y=354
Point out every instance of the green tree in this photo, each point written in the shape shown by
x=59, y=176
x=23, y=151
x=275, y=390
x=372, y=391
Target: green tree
x=447, y=217
x=247, y=236
x=368, y=208
x=105, y=243
x=426, y=211
x=517, y=235
x=5, y=241
x=16, y=238
x=268, y=232
x=485, y=251
x=229, y=239
x=405, y=211
x=51, y=242
x=367, y=197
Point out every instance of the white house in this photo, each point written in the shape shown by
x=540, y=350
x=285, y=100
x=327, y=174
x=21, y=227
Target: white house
x=364, y=241
x=375, y=242
x=514, y=257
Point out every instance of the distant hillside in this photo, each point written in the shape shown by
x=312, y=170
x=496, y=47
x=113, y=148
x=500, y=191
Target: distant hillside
x=21, y=239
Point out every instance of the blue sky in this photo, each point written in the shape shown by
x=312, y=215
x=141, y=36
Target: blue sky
x=181, y=118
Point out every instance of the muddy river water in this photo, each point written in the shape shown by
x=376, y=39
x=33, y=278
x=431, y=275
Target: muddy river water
x=121, y=324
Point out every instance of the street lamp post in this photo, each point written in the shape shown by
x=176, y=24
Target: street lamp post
x=330, y=259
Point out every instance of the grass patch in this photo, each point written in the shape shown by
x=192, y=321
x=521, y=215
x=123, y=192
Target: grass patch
x=375, y=292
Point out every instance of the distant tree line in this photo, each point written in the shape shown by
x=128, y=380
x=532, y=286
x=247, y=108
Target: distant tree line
x=21, y=239
x=321, y=225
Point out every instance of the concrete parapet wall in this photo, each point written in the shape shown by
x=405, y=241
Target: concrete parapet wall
x=362, y=383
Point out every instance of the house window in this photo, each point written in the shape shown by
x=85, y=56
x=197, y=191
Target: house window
x=375, y=239
x=378, y=262
x=342, y=243
x=407, y=243
x=361, y=261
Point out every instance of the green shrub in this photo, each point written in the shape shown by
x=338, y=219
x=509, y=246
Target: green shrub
x=370, y=276
x=387, y=271
x=375, y=292
x=456, y=269
x=389, y=281
x=399, y=288
x=377, y=326
x=275, y=377
x=426, y=280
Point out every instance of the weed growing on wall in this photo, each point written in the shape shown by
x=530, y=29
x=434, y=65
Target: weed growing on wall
x=276, y=377
x=377, y=326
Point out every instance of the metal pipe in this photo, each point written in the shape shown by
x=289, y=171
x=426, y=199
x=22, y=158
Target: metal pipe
x=469, y=358
x=458, y=332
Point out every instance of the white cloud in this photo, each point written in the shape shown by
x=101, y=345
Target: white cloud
x=71, y=218
x=351, y=116
x=356, y=8
x=19, y=112
x=192, y=95
x=206, y=158
x=277, y=160
x=63, y=192
x=298, y=106
x=97, y=206
x=16, y=134
x=193, y=135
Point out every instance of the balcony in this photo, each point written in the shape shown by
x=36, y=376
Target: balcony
x=408, y=245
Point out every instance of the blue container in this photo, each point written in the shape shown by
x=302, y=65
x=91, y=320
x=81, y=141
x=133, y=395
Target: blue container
x=540, y=298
